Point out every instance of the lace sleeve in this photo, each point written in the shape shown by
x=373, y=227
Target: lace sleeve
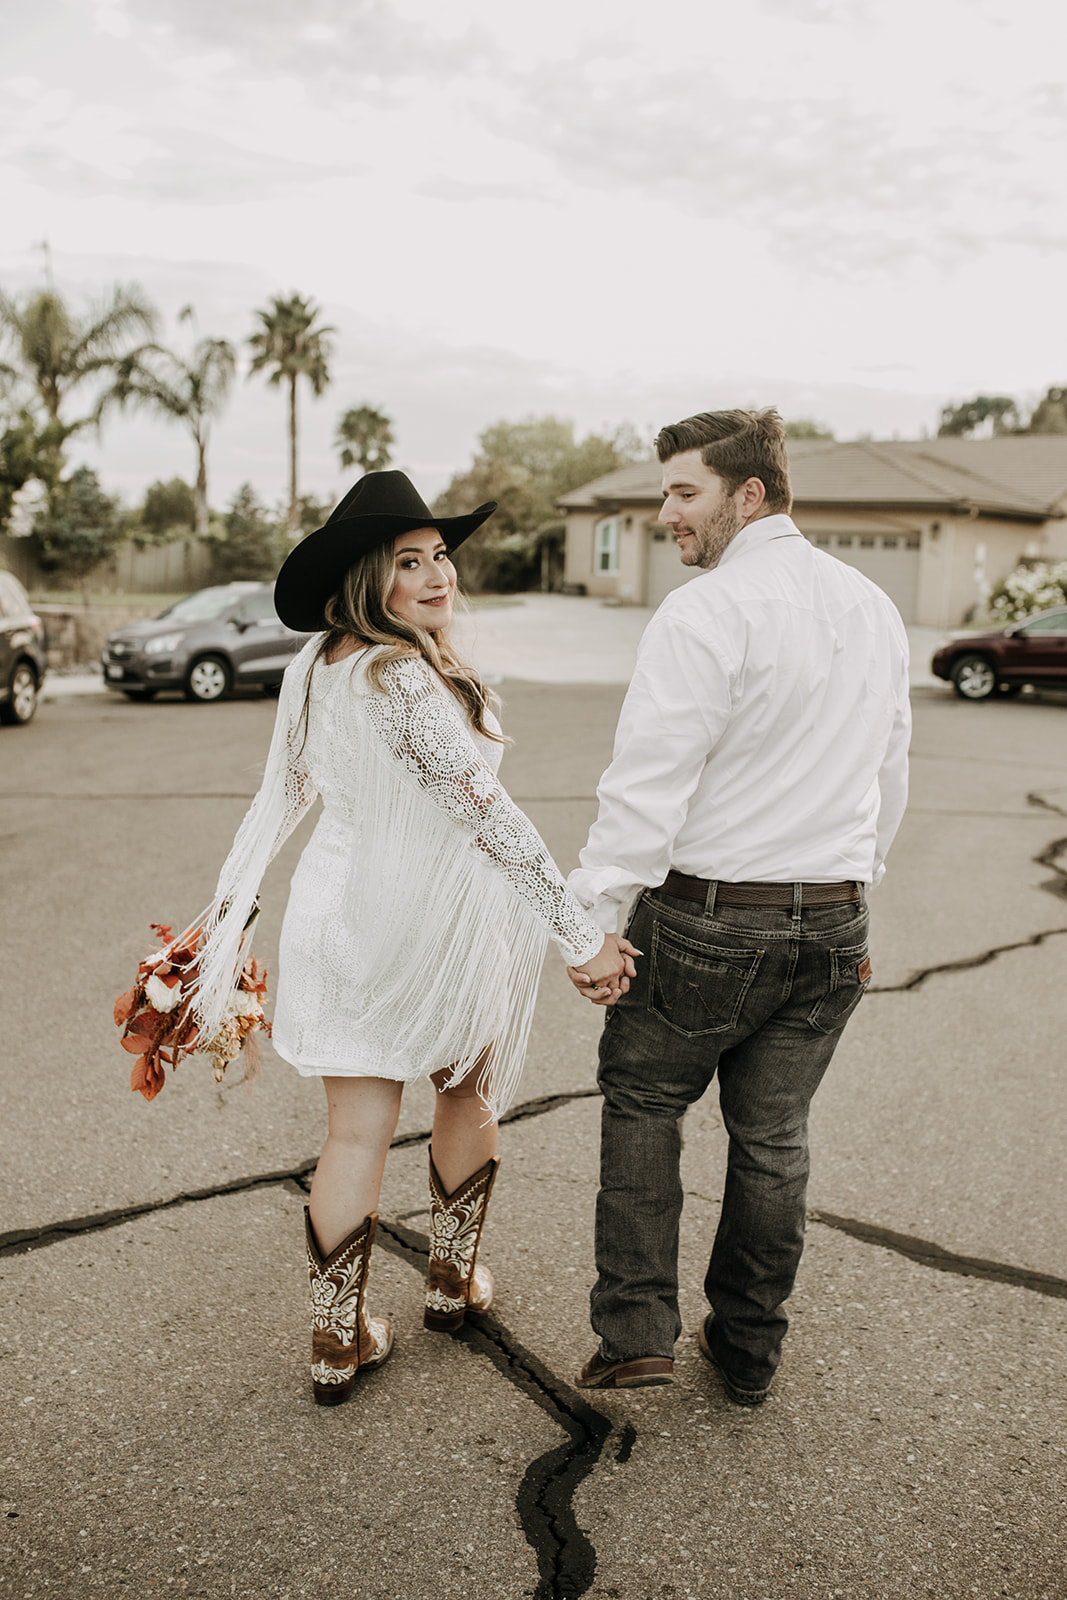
x=423, y=732
x=284, y=796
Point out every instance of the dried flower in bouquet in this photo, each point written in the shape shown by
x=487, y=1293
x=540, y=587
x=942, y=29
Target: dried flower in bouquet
x=158, y=1015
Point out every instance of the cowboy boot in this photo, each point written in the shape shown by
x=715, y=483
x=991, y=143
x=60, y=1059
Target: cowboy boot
x=456, y=1284
x=344, y=1340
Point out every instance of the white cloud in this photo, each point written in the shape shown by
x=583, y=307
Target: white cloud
x=598, y=209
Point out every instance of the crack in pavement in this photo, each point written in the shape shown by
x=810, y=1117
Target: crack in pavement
x=928, y=1254
x=964, y=964
x=1057, y=886
x=20, y=1241
x=566, y=1559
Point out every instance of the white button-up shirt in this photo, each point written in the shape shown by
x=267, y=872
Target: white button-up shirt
x=764, y=735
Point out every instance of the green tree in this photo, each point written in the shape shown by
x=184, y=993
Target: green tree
x=189, y=392
x=313, y=513
x=249, y=545
x=806, y=428
x=365, y=436
x=56, y=351
x=526, y=466
x=22, y=457
x=80, y=528
x=289, y=345
x=1050, y=413
x=962, y=421
x=168, y=511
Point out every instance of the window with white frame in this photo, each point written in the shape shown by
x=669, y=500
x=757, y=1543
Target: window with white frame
x=606, y=546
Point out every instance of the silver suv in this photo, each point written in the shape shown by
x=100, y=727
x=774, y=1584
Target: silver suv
x=204, y=645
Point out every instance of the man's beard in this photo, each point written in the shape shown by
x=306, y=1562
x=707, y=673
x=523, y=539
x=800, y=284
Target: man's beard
x=711, y=536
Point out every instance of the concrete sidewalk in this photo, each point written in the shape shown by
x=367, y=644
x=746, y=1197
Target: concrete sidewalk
x=545, y=638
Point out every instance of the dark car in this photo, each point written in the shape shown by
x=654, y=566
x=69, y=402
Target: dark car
x=1031, y=652
x=204, y=645
x=22, y=653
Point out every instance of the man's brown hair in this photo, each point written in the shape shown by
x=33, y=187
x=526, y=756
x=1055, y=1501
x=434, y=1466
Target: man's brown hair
x=736, y=445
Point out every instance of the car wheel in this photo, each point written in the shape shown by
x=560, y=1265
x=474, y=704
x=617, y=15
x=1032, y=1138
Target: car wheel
x=21, y=703
x=973, y=678
x=207, y=679
x=140, y=694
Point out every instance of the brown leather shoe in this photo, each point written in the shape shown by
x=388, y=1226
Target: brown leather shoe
x=641, y=1372
x=736, y=1392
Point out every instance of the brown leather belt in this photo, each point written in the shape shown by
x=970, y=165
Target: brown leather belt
x=683, y=887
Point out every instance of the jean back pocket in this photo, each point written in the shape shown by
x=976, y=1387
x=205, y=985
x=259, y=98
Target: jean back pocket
x=695, y=987
x=850, y=973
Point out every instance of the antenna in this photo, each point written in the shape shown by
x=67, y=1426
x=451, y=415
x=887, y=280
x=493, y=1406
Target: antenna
x=46, y=250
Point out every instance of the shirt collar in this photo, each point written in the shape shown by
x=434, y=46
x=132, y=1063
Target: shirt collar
x=758, y=533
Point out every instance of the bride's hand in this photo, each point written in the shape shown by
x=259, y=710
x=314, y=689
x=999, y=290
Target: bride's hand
x=607, y=976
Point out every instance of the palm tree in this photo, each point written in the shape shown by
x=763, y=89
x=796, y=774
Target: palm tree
x=56, y=351
x=291, y=344
x=190, y=392
x=365, y=434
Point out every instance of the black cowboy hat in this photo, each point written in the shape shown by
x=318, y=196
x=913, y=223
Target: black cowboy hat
x=373, y=512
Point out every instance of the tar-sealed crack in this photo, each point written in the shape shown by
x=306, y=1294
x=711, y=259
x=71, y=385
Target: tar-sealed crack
x=965, y=963
x=928, y=1254
x=1052, y=856
x=566, y=1560
x=20, y=1241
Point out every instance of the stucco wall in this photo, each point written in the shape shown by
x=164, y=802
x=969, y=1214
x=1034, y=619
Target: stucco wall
x=958, y=554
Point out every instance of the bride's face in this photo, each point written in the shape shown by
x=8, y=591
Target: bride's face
x=424, y=582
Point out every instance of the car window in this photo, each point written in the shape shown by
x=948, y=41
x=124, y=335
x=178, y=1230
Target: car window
x=13, y=602
x=257, y=608
x=1054, y=622
x=201, y=607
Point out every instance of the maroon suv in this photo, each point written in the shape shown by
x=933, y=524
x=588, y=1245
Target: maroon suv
x=981, y=664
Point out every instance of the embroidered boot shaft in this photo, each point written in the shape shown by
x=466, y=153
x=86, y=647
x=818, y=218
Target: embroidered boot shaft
x=456, y=1283
x=344, y=1340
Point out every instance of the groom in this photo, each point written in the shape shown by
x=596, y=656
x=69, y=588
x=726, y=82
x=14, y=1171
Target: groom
x=758, y=778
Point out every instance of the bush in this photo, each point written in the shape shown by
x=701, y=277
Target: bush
x=1029, y=589
x=249, y=544
x=80, y=528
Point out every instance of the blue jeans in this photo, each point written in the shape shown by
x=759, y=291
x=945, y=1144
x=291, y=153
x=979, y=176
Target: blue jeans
x=759, y=995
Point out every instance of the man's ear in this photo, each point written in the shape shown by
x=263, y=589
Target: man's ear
x=752, y=497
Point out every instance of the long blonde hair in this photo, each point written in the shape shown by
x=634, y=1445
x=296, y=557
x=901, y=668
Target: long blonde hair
x=360, y=610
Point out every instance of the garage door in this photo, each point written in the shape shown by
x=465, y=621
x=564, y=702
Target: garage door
x=665, y=571
x=889, y=560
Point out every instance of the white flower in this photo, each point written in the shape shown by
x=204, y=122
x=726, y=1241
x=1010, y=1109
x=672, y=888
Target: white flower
x=243, y=1004
x=159, y=997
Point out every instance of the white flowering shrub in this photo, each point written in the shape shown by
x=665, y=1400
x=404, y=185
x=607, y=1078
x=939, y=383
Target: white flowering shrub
x=1029, y=589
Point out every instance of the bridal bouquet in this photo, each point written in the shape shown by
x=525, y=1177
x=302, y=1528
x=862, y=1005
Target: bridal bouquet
x=157, y=1016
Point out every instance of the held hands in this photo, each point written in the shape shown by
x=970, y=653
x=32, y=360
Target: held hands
x=608, y=974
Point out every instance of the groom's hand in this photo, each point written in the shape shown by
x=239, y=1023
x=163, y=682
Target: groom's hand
x=608, y=974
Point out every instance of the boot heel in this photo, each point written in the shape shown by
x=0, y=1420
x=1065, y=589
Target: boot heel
x=331, y=1394
x=443, y=1321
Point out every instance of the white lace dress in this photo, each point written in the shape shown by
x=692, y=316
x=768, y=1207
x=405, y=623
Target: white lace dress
x=421, y=906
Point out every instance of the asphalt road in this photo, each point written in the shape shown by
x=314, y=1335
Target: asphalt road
x=156, y=1428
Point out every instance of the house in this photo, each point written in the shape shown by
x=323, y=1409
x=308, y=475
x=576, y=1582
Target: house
x=934, y=522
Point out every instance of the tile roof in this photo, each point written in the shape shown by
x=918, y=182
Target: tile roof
x=1018, y=476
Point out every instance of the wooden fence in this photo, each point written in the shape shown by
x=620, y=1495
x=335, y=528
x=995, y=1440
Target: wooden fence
x=174, y=568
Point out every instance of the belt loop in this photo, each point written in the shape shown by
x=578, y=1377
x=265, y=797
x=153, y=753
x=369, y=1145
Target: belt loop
x=798, y=901
x=709, y=902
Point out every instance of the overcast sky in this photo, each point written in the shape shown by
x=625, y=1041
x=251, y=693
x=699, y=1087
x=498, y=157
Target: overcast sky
x=609, y=209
